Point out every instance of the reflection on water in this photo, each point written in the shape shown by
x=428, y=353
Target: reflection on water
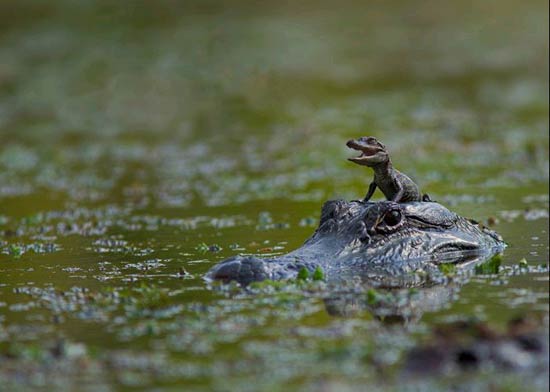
x=404, y=306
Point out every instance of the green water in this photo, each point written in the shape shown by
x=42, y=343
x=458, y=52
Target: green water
x=134, y=136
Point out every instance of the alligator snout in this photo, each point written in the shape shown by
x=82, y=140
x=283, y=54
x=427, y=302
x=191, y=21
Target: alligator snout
x=248, y=269
x=242, y=269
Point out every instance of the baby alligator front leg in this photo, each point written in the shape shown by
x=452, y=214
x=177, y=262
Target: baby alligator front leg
x=372, y=188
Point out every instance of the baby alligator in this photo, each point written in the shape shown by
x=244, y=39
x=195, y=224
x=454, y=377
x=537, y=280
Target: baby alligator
x=395, y=185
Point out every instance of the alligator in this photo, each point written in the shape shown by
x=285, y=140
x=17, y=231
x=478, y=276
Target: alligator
x=376, y=240
x=395, y=185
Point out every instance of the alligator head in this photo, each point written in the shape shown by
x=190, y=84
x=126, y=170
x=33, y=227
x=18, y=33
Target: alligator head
x=372, y=239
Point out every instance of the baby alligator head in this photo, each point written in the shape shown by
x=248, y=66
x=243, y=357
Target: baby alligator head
x=372, y=151
x=382, y=238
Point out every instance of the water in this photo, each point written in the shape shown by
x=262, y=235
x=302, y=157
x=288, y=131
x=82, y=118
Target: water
x=133, y=138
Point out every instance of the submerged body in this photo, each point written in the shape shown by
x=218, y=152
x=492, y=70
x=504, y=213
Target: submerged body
x=395, y=185
x=383, y=238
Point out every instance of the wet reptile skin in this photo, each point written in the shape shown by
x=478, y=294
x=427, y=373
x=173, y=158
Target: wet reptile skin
x=366, y=238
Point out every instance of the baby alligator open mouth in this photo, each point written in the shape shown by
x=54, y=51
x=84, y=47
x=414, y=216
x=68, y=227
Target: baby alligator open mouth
x=365, y=149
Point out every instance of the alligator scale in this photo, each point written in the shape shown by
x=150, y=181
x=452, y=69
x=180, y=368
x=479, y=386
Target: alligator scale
x=363, y=238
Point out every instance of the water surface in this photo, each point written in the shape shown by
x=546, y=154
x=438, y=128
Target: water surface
x=141, y=144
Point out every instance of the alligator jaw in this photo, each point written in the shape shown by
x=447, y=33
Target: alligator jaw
x=366, y=150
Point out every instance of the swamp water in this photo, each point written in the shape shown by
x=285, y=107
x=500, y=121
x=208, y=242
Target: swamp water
x=142, y=144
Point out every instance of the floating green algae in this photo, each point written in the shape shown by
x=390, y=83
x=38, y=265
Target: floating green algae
x=140, y=143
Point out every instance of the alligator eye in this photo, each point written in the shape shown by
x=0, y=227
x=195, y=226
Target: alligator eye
x=392, y=218
x=372, y=140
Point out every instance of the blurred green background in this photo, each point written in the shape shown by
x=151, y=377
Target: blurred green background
x=225, y=90
x=133, y=134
